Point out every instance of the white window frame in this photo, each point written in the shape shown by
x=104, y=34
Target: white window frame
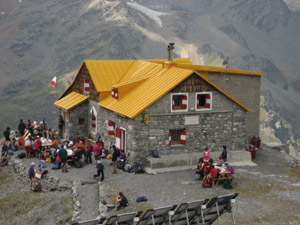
x=179, y=110
x=196, y=101
x=94, y=129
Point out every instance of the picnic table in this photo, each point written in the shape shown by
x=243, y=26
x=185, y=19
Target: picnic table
x=223, y=175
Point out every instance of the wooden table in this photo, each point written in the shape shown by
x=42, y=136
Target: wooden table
x=225, y=175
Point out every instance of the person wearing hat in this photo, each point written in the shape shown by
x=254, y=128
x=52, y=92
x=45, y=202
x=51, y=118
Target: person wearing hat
x=31, y=174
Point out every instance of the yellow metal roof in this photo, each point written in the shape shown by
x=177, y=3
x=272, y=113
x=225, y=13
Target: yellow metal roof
x=71, y=100
x=146, y=93
x=106, y=73
x=218, y=69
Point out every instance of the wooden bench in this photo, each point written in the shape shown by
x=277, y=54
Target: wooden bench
x=223, y=176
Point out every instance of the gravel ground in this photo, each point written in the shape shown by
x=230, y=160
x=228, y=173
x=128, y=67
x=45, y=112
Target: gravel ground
x=268, y=193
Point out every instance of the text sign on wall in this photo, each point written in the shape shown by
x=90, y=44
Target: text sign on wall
x=191, y=120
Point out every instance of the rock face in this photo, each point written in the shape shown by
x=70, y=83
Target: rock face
x=44, y=38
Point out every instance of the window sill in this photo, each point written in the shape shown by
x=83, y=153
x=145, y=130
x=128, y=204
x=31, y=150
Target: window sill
x=177, y=145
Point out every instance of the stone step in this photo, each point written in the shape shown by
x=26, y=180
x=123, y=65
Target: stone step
x=190, y=160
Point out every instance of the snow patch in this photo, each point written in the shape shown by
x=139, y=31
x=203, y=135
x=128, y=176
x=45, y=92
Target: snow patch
x=93, y=4
x=294, y=5
x=152, y=14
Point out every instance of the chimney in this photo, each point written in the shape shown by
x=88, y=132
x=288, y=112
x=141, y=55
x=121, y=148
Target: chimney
x=171, y=52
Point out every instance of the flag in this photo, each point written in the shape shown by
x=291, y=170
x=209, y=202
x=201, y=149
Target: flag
x=53, y=82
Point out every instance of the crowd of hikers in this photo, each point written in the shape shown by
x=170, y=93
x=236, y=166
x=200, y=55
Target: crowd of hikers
x=40, y=142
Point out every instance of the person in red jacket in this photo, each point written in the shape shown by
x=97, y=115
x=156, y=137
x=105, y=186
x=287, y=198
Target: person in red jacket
x=38, y=147
x=88, y=152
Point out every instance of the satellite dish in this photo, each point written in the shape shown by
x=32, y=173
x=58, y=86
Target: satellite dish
x=225, y=61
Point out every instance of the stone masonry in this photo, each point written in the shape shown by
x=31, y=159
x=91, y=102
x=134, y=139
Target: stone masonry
x=224, y=124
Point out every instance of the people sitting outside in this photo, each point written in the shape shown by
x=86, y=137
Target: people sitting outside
x=115, y=155
x=206, y=155
x=20, y=140
x=88, y=152
x=31, y=173
x=220, y=162
x=29, y=126
x=100, y=168
x=224, y=153
x=208, y=166
x=28, y=147
x=215, y=172
x=14, y=145
x=63, y=154
x=54, y=143
x=121, y=201
x=229, y=168
x=200, y=169
x=207, y=181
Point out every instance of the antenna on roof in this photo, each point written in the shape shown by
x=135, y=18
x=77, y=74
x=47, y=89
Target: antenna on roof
x=225, y=61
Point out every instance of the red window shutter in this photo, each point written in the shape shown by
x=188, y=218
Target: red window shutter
x=111, y=128
x=118, y=138
x=173, y=102
x=184, y=102
x=113, y=93
x=208, y=101
x=183, y=137
x=93, y=122
x=116, y=94
x=169, y=137
x=86, y=85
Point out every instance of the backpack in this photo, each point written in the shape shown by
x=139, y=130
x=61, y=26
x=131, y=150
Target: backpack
x=120, y=165
x=127, y=168
x=37, y=188
x=154, y=154
x=78, y=165
x=141, y=199
x=21, y=155
x=138, y=168
x=227, y=184
x=56, y=166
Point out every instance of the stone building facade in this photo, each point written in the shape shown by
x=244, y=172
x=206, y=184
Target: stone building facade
x=225, y=121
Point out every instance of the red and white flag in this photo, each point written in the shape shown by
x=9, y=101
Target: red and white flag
x=53, y=82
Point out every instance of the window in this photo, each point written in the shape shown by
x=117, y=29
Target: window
x=111, y=128
x=179, y=102
x=93, y=118
x=204, y=101
x=114, y=93
x=81, y=121
x=86, y=90
x=177, y=137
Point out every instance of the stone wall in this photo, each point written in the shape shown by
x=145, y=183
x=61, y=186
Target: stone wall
x=224, y=124
x=73, y=129
x=245, y=89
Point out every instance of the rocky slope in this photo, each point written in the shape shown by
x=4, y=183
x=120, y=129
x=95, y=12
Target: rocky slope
x=46, y=38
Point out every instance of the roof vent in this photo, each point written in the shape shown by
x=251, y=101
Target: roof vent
x=171, y=51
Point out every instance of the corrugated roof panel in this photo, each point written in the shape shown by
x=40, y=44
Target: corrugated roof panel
x=218, y=69
x=105, y=73
x=71, y=100
x=146, y=93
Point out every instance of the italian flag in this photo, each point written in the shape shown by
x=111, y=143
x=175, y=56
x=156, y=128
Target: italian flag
x=53, y=82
